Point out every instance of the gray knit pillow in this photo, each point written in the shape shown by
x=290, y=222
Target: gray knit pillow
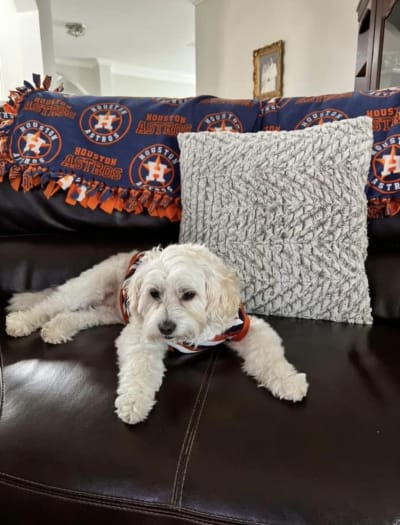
x=288, y=210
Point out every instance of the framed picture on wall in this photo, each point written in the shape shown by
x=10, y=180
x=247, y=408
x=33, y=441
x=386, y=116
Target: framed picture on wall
x=268, y=71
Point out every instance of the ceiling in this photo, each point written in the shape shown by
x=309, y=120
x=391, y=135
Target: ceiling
x=140, y=36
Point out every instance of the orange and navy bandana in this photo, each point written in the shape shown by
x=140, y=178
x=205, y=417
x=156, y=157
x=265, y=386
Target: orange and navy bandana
x=123, y=293
x=237, y=331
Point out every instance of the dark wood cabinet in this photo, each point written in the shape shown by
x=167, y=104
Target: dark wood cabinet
x=378, y=50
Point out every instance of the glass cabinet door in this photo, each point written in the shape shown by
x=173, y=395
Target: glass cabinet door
x=390, y=61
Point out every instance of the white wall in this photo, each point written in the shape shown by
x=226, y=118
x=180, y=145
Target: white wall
x=78, y=78
x=96, y=77
x=20, y=47
x=149, y=87
x=320, y=44
x=46, y=36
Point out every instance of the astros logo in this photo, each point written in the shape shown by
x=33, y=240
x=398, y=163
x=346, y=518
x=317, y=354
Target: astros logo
x=320, y=117
x=105, y=123
x=156, y=166
x=35, y=143
x=386, y=165
x=224, y=121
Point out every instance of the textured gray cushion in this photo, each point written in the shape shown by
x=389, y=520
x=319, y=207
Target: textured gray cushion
x=288, y=211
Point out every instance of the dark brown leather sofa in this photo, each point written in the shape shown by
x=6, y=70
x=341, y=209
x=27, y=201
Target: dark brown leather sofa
x=216, y=449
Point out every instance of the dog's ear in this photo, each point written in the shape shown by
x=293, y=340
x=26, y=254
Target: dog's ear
x=222, y=290
x=137, y=280
x=134, y=289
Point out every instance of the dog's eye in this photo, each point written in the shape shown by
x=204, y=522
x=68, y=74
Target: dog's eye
x=188, y=296
x=155, y=294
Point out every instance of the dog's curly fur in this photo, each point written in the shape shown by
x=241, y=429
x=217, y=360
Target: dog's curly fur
x=184, y=286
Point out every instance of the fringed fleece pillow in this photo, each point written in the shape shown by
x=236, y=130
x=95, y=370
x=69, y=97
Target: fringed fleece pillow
x=288, y=210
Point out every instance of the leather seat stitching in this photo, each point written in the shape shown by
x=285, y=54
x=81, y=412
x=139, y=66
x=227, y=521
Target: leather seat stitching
x=94, y=499
x=194, y=431
x=181, y=461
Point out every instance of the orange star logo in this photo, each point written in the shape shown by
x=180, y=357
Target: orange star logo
x=106, y=119
x=390, y=162
x=34, y=142
x=157, y=170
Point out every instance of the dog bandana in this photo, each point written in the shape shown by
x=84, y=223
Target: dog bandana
x=237, y=331
x=123, y=293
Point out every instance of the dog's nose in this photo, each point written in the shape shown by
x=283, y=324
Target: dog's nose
x=167, y=327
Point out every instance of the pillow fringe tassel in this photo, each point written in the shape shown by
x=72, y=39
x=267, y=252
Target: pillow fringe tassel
x=379, y=208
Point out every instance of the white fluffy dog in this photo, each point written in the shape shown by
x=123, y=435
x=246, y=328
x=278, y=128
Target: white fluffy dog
x=181, y=294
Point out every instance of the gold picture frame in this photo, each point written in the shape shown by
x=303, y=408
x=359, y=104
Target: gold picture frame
x=268, y=71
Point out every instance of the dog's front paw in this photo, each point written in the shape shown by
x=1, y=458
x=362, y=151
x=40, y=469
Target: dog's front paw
x=292, y=388
x=19, y=324
x=133, y=409
x=56, y=331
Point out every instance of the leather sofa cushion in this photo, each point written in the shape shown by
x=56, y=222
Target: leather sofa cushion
x=384, y=230
x=384, y=281
x=216, y=449
x=30, y=262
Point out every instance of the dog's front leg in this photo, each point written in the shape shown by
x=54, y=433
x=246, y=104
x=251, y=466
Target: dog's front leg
x=141, y=370
x=79, y=293
x=264, y=360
